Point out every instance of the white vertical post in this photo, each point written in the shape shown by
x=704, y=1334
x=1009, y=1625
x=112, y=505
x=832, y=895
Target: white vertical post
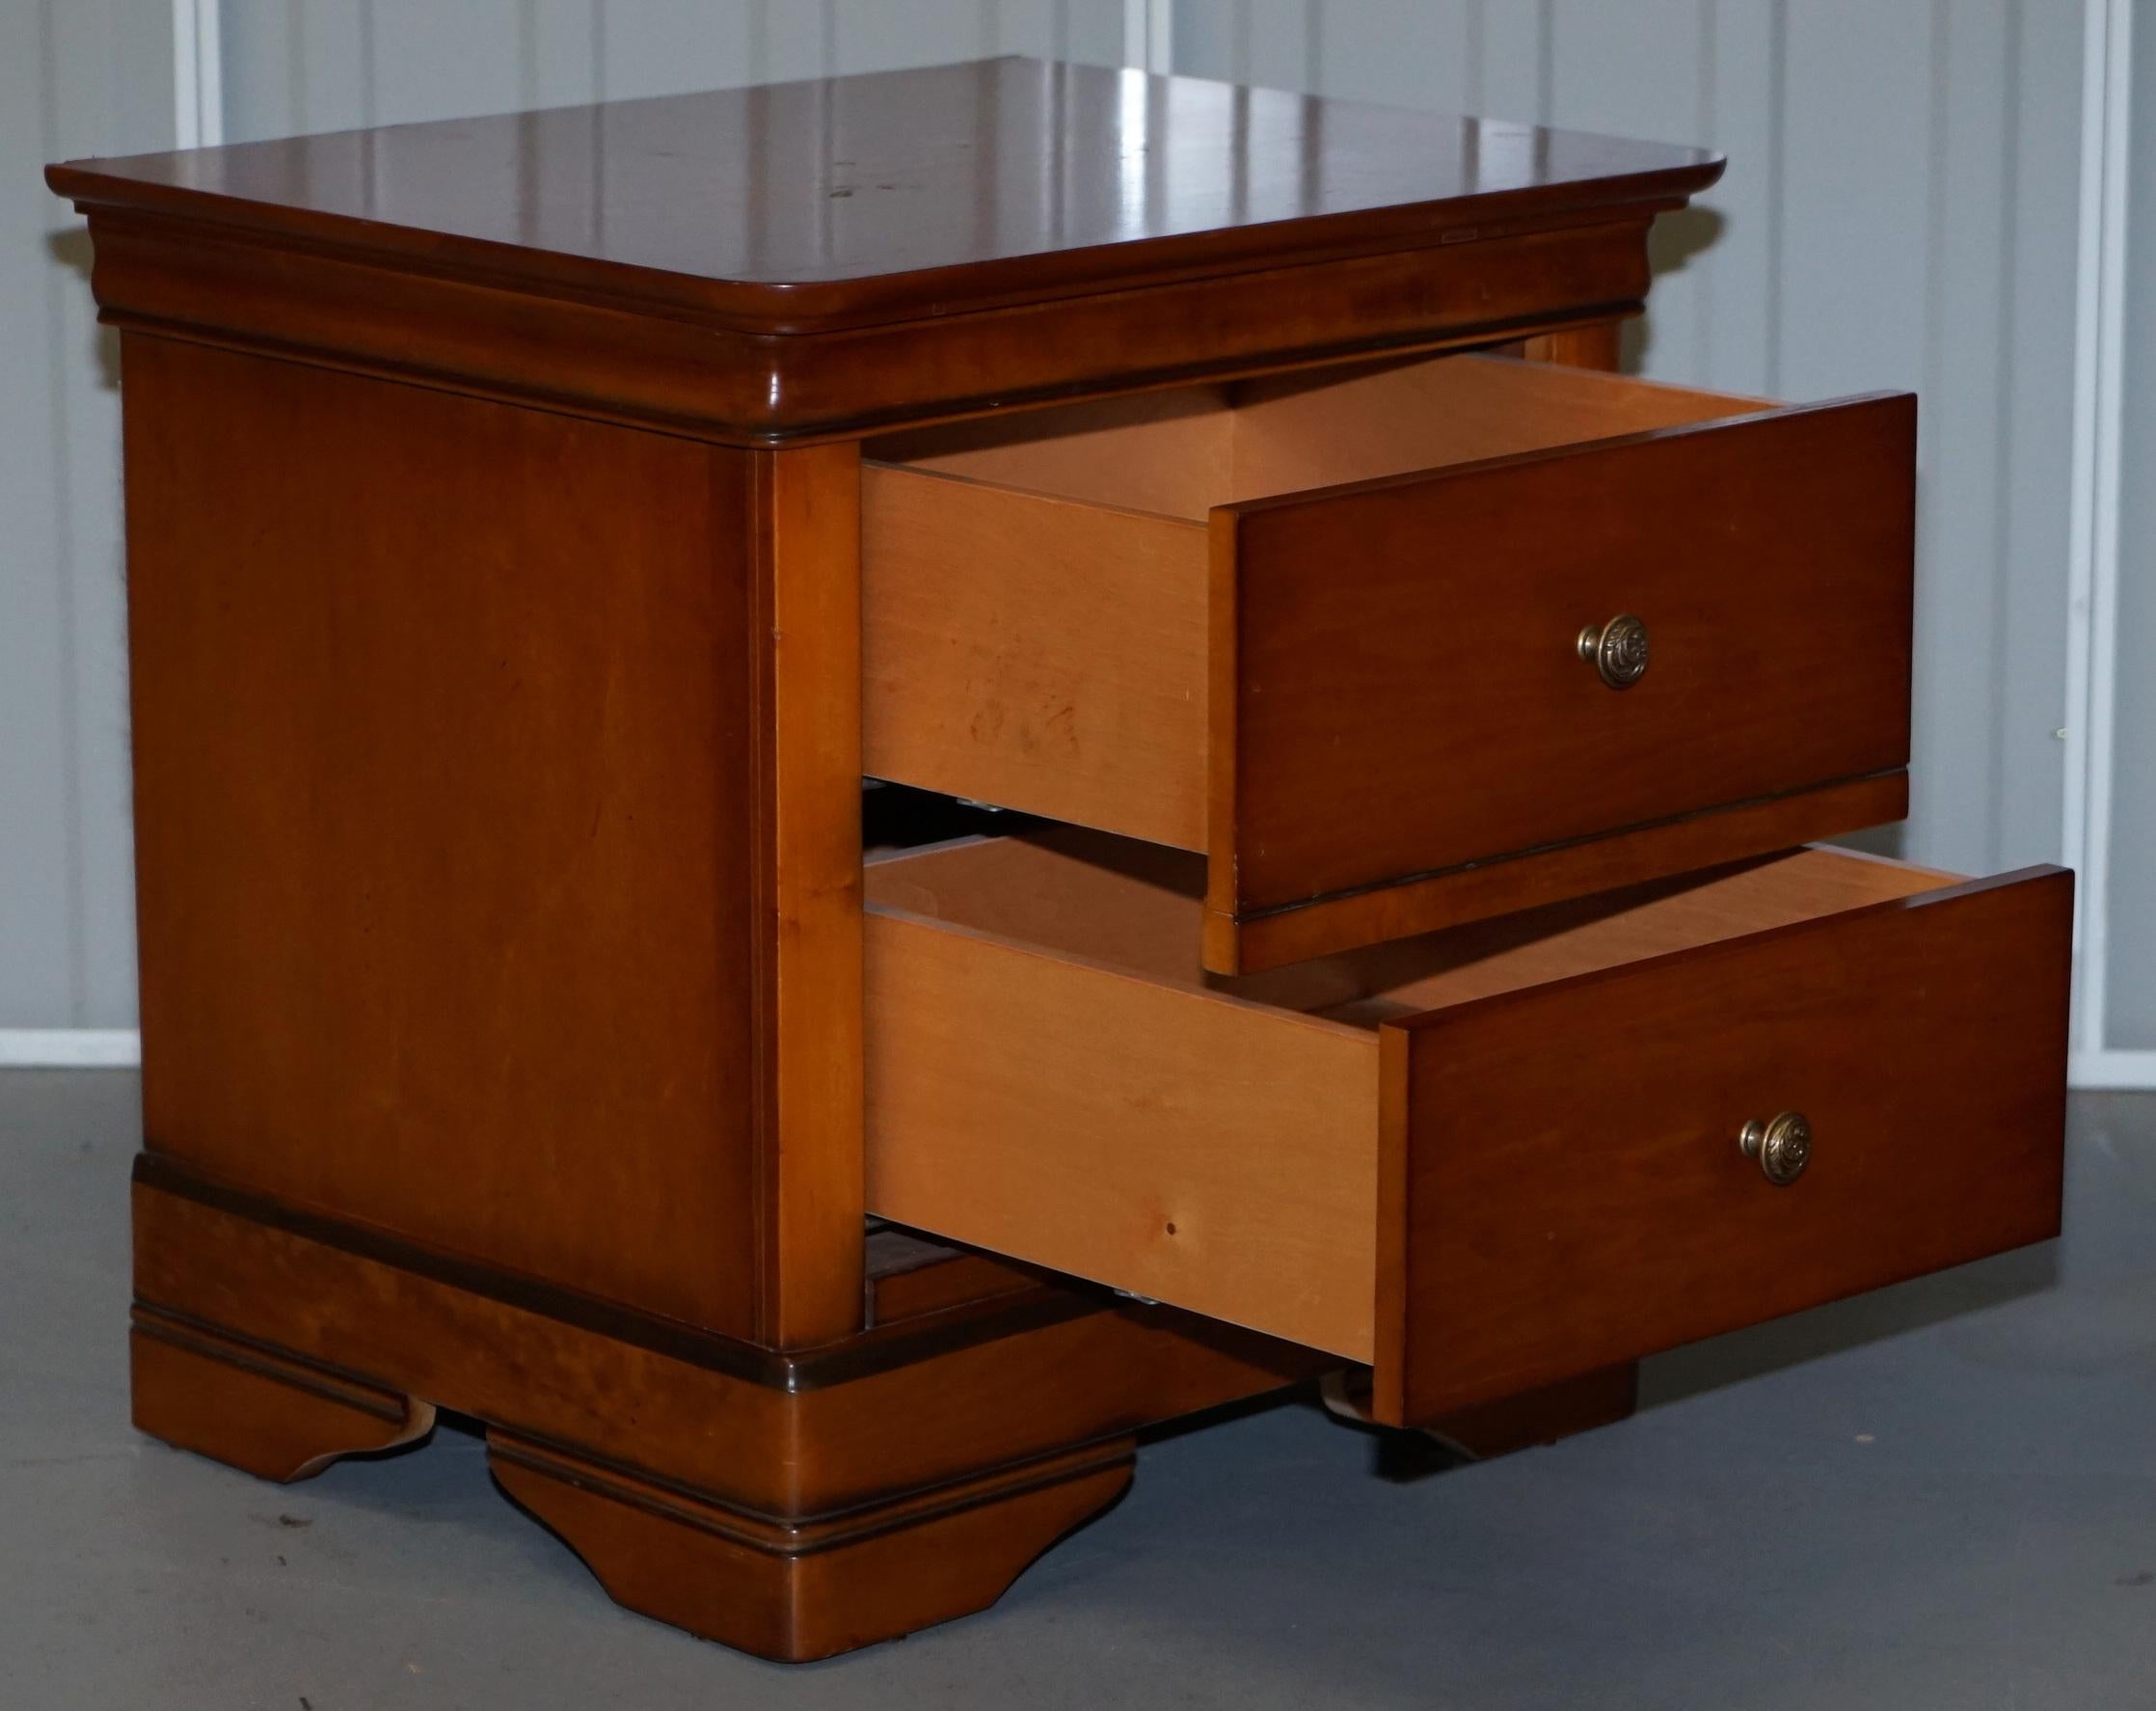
x=198, y=75
x=1150, y=35
x=2092, y=569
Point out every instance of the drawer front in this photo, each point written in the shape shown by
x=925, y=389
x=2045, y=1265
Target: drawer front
x=1397, y=692
x=1560, y=1182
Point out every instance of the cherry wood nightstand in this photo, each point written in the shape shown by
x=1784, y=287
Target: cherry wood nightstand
x=1395, y=961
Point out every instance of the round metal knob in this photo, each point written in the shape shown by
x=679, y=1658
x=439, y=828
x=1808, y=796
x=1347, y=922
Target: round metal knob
x=1617, y=650
x=1783, y=1145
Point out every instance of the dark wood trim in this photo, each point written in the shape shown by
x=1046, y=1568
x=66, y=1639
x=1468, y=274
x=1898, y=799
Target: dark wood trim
x=1423, y=903
x=795, y=1373
x=802, y=1536
x=347, y=1390
x=2046, y=873
x=1511, y=1424
x=889, y=1413
x=153, y=273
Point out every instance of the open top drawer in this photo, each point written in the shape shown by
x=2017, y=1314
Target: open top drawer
x=1490, y=1159
x=1405, y=646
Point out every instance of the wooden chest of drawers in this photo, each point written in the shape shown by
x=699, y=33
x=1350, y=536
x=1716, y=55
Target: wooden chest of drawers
x=1397, y=962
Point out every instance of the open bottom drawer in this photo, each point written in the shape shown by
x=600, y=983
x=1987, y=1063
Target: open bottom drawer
x=1484, y=1159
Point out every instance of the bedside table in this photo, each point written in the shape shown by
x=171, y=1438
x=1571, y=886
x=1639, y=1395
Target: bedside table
x=1397, y=962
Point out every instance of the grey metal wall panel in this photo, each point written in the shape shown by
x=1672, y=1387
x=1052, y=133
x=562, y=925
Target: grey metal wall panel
x=1643, y=69
x=39, y=834
x=1898, y=212
x=297, y=65
x=2034, y=458
x=2130, y=1000
x=76, y=77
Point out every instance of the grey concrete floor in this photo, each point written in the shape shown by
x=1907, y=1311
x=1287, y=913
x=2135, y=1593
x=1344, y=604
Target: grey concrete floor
x=1943, y=1495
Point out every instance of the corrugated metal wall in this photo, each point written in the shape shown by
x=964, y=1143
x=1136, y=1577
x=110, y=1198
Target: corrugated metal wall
x=1898, y=212
x=323, y=64
x=75, y=76
x=2130, y=1013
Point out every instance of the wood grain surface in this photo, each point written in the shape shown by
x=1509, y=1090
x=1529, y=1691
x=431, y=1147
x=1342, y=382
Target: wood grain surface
x=1396, y=686
x=1560, y=1176
x=442, y=804
x=816, y=260
x=498, y=830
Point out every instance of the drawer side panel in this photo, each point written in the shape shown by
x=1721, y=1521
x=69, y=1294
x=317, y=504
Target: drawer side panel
x=1036, y=653
x=1212, y=1154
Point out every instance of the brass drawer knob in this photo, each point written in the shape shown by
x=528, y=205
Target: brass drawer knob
x=1617, y=650
x=1783, y=1145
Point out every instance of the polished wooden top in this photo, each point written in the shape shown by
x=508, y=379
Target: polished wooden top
x=903, y=195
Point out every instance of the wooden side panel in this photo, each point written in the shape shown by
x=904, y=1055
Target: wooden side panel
x=807, y=662
x=1036, y=653
x=444, y=784
x=1560, y=1184
x=1403, y=695
x=1180, y=1146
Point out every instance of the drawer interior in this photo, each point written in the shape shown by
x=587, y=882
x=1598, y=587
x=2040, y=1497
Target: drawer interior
x=1180, y=454
x=1053, y=1076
